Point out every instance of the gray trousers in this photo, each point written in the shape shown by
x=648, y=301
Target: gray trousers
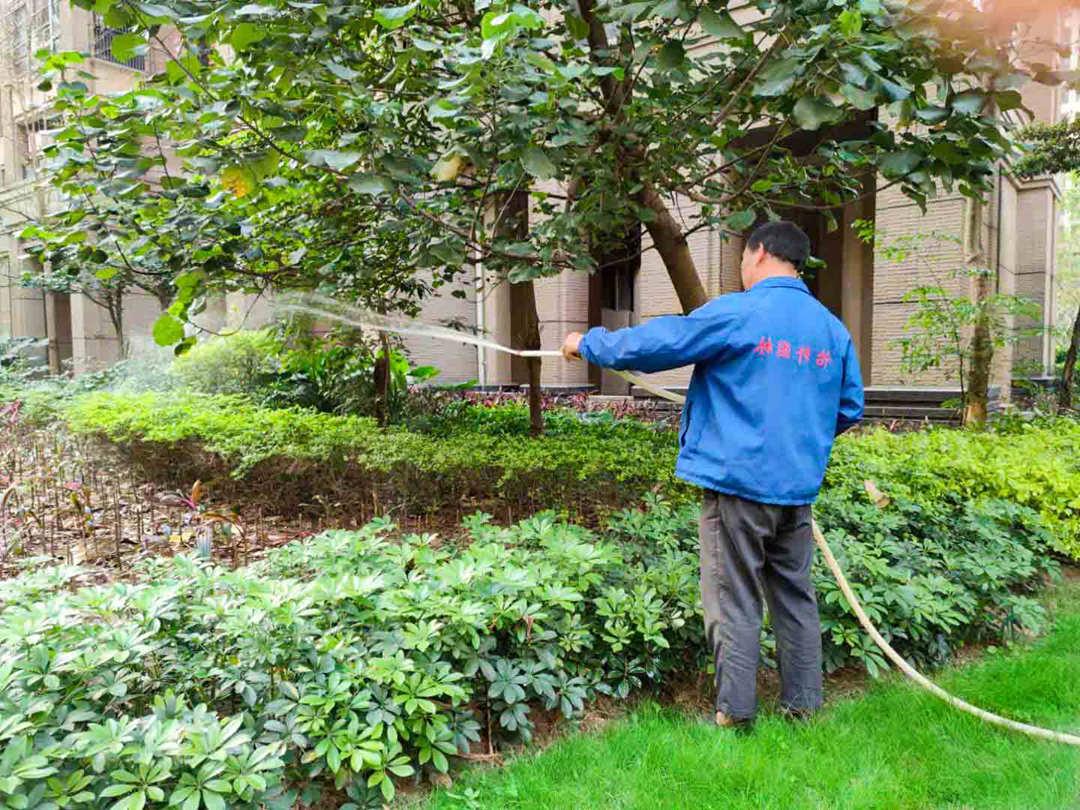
x=750, y=549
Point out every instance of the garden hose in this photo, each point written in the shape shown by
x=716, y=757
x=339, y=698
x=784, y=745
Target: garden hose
x=323, y=307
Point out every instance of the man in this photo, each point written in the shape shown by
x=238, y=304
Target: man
x=775, y=380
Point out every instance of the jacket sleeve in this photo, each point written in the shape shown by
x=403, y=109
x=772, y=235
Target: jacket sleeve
x=669, y=341
x=851, y=392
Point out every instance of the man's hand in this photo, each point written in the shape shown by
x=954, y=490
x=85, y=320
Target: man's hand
x=570, y=346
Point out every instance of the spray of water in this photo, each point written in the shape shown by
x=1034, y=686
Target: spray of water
x=321, y=306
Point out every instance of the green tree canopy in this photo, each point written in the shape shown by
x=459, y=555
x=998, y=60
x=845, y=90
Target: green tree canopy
x=380, y=144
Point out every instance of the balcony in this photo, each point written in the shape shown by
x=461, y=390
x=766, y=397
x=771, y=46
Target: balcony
x=102, y=46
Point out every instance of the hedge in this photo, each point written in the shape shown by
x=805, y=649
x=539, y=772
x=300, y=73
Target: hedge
x=587, y=464
x=294, y=455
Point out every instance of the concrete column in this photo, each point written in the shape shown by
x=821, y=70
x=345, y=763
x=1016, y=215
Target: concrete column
x=76, y=28
x=495, y=301
x=28, y=316
x=58, y=318
x=562, y=302
x=94, y=344
x=857, y=285
x=1035, y=238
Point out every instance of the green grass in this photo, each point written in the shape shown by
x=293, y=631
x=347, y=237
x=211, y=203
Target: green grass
x=892, y=747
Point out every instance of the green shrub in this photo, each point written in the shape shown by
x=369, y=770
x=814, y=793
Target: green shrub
x=296, y=455
x=1036, y=464
x=239, y=363
x=359, y=658
x=348, y=655
x=588, y=464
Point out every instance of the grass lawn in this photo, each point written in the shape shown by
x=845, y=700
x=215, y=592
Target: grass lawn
x=892, y=747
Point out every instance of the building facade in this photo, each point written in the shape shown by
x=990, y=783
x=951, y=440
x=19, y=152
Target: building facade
x=863, y=285
x=74, y=332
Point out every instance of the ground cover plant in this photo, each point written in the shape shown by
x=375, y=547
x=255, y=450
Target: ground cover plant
x=361, y=660
x=895, y=748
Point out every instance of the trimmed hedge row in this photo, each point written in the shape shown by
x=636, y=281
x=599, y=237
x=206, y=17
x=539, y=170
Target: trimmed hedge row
x=587, y=464
x=587, y=468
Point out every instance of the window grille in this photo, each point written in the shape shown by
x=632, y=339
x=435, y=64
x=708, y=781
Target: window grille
x=103, y=39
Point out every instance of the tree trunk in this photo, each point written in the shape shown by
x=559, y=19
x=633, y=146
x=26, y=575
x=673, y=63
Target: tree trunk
x=382, y=381
x=525, y=334
x=513, y=223
x=666, y=234
x=977, y=397
x=1065, y=392
x=115, y=308
x=671, y=244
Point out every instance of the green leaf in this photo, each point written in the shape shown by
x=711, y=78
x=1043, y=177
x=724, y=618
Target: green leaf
x=373, y=184
x=629, y=12
x=970, y=102
x=256, y=10
x=894, y=91
x=740, y=220
x=777, y=78
x=812, y=112
x=289, y=133
x=578, y=28
x=1009, y=100
x=246, y=34
x=858, y=98
x=850, y=22
x=672, y=55
x=932, y=114
x=537, y=163
x=900, y=163
x=167, y=330
x=332, y=159
x=127, y=46
x=178, y=70
x=157, y=11
x=442, y=109
x=669, y=9
x=719, y=24
x=341, y=71
x=501, y=24
x=392, y=17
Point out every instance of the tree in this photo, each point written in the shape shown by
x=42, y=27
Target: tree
x=953, y=330
x=606, y=116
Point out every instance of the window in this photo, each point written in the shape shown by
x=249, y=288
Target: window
x=30, y=26
x=103, y=38
x=32, y=138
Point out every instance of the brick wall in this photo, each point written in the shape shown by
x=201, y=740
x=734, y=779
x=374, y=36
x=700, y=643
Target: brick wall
x=931, y=261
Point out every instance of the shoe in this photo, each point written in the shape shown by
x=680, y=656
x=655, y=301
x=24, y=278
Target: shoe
x=725, y=721
x=797, y=715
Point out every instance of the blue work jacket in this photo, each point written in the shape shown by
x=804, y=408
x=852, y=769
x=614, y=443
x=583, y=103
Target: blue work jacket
x=776, y=379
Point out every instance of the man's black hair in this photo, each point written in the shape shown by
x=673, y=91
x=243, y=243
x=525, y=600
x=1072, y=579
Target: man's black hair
x=784, y=240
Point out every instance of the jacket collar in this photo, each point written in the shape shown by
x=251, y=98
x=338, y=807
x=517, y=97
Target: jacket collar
x=781, y=281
